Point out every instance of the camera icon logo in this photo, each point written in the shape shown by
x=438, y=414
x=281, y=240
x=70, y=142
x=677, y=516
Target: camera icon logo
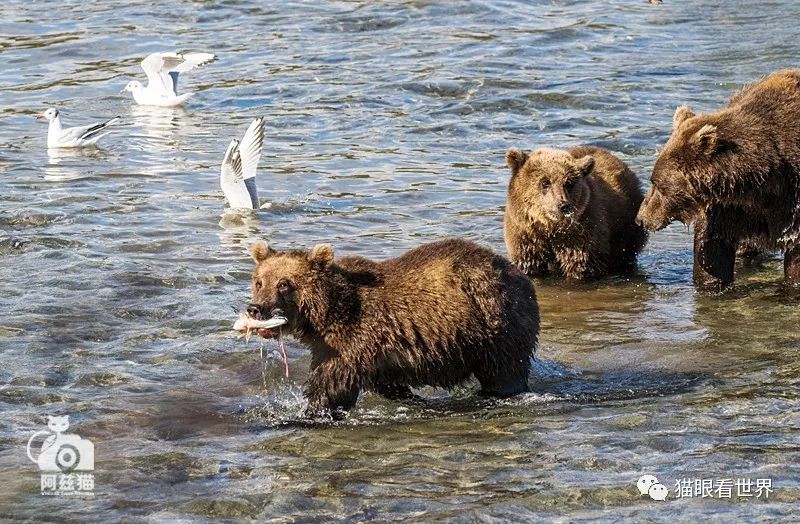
x=60, y=451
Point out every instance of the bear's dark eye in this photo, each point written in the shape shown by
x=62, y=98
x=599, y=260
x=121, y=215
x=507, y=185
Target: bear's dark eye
x=283, y=287
x=258, y=284
x=544, y=184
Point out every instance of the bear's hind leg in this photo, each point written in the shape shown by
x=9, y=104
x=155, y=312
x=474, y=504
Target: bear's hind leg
x=750, y=253
x=394, y=391
x=791, y=265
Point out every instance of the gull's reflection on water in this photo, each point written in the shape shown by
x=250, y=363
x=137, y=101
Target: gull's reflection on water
x=240, y=227
x=158, y=126
x=64, y=165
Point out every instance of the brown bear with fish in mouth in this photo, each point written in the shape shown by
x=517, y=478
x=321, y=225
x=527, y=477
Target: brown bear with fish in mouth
x=572, y=212
x=433, y=316
x=734, y=174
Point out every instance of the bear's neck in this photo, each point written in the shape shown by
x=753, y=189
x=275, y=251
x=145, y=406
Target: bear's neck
x=333, y=311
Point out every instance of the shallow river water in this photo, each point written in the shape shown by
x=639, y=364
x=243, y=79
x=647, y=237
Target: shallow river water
x=387, y=124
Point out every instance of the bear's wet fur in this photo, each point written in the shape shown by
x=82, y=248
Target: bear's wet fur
x=433, y=316
x=572, y=213
x=735, y=175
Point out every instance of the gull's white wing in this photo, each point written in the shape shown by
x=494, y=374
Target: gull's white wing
x=250, y=147
x=73, y=133
x=231, y=179
x=157, y=67
x=85, y=132
x=192, y=60
x=162, y=69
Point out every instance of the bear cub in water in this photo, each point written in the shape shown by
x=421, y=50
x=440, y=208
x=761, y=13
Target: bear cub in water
x=572, y=213
x=433, y=316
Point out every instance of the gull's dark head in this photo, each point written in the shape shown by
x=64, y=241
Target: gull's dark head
x=48, y=116
x=133, y=85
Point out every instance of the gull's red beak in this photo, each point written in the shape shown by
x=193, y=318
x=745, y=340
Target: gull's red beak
x=40, y=117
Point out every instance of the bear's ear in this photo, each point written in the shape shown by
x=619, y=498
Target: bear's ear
x=515, y=159
x=261, y=251
x=682, y=114
x=585, y=165
x=321, y=255
x=706, y=139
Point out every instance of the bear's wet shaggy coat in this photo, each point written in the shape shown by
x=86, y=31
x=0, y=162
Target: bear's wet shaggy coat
x=735, y=174
x=572, y=213
x=433, y=316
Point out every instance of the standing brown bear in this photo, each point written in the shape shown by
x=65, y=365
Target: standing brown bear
x=735, y=174
x=433, y=316
x=572, y=213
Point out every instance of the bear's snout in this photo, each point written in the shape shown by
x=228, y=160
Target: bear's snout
x=652, y=213
x=648, y=222
x=254, y=311
x=264, y=312
x=640, y=215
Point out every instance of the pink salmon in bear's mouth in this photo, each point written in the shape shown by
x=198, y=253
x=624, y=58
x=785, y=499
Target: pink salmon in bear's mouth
x=264, y=328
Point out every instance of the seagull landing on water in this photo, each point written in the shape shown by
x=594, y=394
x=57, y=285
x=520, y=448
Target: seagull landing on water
x=162, y=71
x=238, y=174
x=80, y=136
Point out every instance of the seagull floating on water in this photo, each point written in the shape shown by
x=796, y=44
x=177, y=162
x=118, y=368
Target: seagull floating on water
x=162, y=71
x=80, y=136
x=238, y=174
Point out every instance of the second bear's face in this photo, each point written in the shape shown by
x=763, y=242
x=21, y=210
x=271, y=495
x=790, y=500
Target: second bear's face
x=687, y=160
x=549, y=186
x=288, y=284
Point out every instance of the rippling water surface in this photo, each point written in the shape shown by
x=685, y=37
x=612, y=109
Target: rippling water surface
x=387, y=127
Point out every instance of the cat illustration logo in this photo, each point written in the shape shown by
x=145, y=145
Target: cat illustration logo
x=649, y=485
x=62, y=452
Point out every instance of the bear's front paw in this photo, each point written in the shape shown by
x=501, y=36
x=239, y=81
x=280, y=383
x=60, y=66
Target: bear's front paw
x=711, y=285
x=711, y=280
x=317, y=412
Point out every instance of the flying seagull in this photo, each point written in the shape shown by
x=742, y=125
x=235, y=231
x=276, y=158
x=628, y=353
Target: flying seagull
x=162, y=71
x=80, y=136
x=238, y=174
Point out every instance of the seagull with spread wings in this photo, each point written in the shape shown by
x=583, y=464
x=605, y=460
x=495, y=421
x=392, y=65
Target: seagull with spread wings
x=79, y=136
x=162, y=71
x=238, y=174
